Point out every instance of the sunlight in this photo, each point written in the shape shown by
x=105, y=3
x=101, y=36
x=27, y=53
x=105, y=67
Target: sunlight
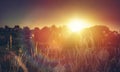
x=76, y=25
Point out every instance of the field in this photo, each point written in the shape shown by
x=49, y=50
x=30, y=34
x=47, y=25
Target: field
x=56, y=49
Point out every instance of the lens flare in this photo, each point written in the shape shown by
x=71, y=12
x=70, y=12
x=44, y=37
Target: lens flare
x=76, y=25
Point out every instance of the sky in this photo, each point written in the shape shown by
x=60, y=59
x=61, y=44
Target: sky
x=40, y=13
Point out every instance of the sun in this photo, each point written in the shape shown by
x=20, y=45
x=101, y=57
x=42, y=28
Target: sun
x=76, y=25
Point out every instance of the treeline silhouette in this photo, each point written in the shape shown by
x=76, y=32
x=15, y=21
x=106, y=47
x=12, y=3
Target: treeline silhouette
x=95, y=49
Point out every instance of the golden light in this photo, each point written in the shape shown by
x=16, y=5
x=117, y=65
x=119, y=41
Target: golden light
x=76, y=25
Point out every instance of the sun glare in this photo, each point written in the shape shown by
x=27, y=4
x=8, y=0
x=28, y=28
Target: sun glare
x=76, y=25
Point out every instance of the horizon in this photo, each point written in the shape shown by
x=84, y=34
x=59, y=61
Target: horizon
x=49, y=26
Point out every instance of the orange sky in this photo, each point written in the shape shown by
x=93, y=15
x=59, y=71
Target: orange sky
x=47, y=12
